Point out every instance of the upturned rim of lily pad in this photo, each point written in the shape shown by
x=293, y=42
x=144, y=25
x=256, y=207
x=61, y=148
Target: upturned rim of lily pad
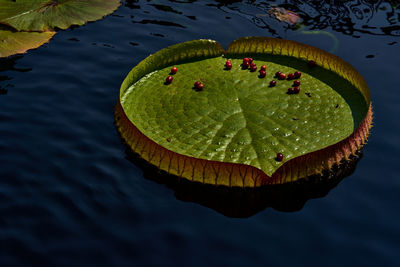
x=236, y=174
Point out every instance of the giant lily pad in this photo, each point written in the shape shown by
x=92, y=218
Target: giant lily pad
x=12, y=42
x=230, y=132
x=45, y=15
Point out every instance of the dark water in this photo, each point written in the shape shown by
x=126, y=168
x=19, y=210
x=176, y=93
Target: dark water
x=70, y=195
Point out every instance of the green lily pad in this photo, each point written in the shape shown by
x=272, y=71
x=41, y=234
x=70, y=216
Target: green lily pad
x=12, y=42
x=238, y=118
x=47, y=15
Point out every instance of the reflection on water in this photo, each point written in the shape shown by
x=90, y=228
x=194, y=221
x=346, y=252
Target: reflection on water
x=348, y=17
x=246, y=202
x=353, y=18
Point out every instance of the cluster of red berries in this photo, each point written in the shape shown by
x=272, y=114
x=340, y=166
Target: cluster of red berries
x=263, y=71
x=169, y=79
x=248, y=63
x=197, y=85
x=295, y=89
x=291, y=76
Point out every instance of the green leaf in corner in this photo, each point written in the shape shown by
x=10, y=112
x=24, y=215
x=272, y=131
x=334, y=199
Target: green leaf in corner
x=47, y=15
x=12, y=42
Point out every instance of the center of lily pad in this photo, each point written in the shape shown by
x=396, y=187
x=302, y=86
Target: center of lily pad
x=237, y=116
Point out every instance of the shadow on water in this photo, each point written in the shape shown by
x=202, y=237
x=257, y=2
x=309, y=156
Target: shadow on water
x=8, y=64
x=238, y=202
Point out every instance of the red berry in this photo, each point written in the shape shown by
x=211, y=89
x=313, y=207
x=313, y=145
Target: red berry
x=174, y=70
x=290, y=91
x=296, y=89
x=246, y=60
x=228, y=65
x=198, y=85
x=169, y=80
x=290, y=76
x=250, y=60
x=272, y=83
x=277, y=74
x=263, y=67
x=262, y=73
x=296, y=83
x=282, y=76
x=245, y=65
x=279, y=157
x=311, y=63
x=297, y=74
x=253, y=67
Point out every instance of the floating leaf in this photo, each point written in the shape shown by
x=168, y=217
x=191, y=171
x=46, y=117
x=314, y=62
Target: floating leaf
x=12, y=42
x=47, y=15
x=230, y=132
x=285, y=15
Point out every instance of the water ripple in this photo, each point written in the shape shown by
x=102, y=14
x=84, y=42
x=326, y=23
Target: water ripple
x=70, y=196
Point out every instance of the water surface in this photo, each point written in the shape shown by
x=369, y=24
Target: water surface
x=70, y=195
